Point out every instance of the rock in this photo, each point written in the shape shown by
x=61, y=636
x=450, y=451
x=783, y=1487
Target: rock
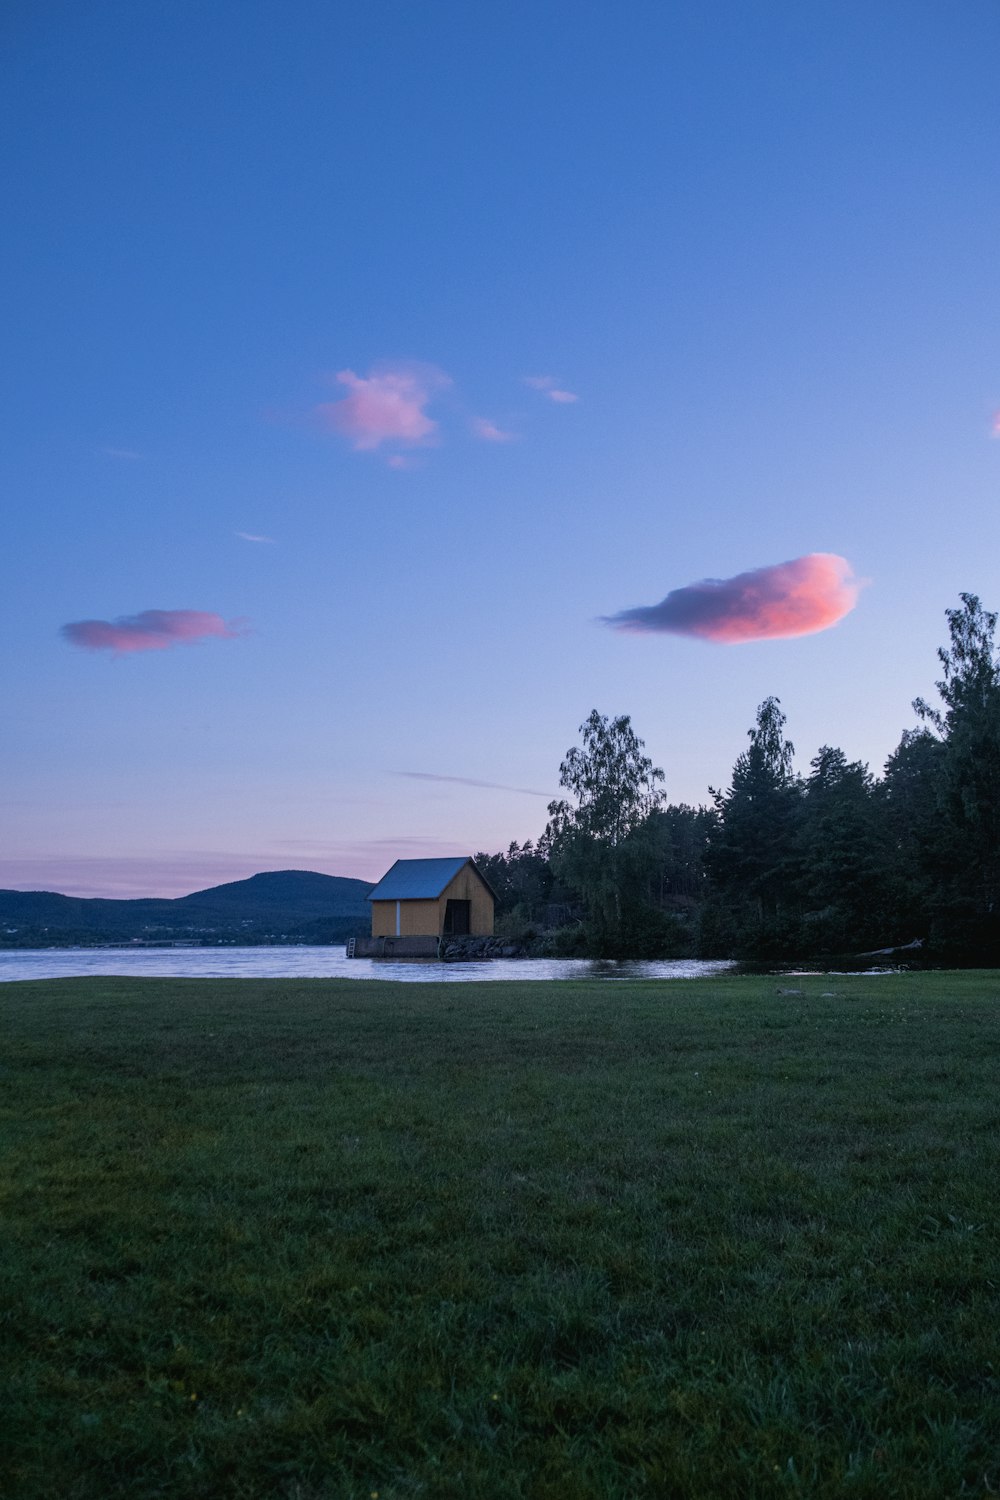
x=913, y=947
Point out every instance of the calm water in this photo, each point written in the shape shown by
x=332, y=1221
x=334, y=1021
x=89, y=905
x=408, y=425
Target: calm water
x=327, y=963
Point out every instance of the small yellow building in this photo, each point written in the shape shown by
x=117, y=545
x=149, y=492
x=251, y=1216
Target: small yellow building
x=432, y=898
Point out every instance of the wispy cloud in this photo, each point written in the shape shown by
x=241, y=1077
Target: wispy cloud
x=413, y=843
x=489, y=432
x=150, y=630
x=550, y=387
x=250, y=536
x=123, y=453
x=495, y=786
x=788, y=599
x=995, y=427
x=368, y=859
x=388, y=405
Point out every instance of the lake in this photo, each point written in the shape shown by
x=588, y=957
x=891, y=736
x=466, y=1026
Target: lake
x=328, y=963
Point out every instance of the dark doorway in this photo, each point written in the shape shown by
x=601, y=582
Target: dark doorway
x=457, y=918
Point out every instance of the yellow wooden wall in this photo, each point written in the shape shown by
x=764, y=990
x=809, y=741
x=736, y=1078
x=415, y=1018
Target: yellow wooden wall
x=426, y=918
x=416, y=918
x=467, y=886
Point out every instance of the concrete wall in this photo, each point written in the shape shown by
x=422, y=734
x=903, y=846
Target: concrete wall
x=393, y=947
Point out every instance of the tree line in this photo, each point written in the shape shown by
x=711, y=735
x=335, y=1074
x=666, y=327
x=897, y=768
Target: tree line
x=779, y=865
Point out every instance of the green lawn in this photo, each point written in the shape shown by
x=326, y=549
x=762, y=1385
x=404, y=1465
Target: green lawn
x=327, y=1239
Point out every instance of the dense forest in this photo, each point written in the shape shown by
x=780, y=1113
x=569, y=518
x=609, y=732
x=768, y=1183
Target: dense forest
x=780, y=865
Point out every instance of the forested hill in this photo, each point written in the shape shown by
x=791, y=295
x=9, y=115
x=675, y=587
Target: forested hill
x=278, y=905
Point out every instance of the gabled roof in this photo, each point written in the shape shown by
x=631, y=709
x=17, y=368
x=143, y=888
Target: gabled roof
x=422, y=879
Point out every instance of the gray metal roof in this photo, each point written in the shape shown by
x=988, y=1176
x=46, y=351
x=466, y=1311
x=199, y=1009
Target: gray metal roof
x=419, y=879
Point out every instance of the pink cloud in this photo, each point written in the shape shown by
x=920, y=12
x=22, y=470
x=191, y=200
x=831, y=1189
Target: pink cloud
x=995, y=429
x=385, y=406
x=791, y=598
x=489, y=432
x=151, y=630
x=548, y=387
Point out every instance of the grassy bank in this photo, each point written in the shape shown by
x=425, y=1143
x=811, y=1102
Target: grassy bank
x=328, y=1239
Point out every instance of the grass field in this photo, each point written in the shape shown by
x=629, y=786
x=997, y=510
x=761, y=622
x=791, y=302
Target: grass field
x=576, y=1240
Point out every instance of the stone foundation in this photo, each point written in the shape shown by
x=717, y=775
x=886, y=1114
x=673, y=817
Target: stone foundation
x=451, y=949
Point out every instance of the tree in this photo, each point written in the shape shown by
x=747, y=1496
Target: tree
x=601, y=843
x=908, y=798
x=753, y=856
x=967, y=846
x=842, y=855
x=522, y=881
x=680, y=836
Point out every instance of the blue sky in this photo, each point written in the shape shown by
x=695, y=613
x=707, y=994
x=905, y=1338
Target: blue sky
x=757, y=244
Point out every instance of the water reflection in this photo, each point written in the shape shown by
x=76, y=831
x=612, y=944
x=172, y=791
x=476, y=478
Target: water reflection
x=329, y=963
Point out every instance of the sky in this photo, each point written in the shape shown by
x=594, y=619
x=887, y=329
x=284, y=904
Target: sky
x=388, y=386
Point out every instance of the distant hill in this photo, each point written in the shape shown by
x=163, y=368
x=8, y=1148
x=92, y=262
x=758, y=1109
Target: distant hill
x=277, y=906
